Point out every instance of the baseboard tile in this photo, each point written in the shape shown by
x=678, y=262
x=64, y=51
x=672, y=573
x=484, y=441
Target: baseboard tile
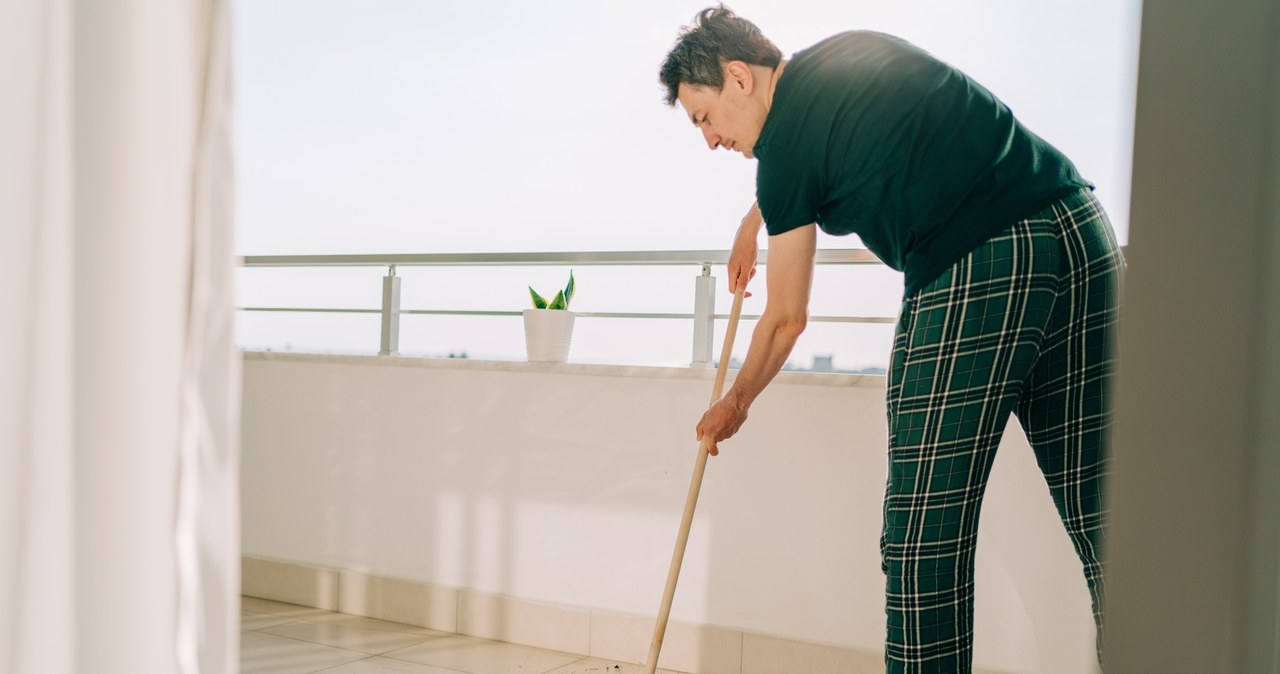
x=396, y=600
x=523, y=622
x=289, y=582
x=768, y=655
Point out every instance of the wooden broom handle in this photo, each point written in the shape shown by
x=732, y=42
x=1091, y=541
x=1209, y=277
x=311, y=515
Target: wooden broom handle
x=695, y=485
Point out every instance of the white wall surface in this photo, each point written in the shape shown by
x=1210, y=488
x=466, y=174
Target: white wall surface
x=564, y=484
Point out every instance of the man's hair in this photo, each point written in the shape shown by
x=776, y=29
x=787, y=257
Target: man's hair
x=716, y=37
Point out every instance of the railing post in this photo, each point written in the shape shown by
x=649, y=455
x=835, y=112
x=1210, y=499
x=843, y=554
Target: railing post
x=704, y=317
x=390, y=313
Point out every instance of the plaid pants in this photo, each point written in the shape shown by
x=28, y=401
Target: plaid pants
x=1024, y=324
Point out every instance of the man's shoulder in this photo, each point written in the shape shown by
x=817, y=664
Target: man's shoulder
x=853, y=40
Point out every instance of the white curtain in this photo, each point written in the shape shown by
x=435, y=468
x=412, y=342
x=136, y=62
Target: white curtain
x=119, y=378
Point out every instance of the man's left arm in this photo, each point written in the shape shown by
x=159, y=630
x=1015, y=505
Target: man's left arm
x=789, y=279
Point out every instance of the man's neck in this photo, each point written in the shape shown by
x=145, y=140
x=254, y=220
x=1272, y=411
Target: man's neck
x=773, y=84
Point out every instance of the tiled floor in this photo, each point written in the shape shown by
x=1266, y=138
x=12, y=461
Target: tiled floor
x=280, y=638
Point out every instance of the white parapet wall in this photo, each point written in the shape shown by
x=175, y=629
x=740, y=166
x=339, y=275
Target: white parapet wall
x=560, y=487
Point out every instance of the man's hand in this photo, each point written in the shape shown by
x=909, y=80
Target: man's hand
x=721, y=421
x=746, y=248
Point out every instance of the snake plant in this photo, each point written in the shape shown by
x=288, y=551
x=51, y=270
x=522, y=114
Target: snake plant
x=560, y=301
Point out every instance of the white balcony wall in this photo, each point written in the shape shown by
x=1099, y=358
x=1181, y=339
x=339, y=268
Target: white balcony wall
x=564, y=484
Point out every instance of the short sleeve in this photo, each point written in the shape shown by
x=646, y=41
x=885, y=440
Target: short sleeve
x=788, y=191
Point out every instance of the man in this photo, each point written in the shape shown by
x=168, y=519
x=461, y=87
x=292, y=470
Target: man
x=1011, y=273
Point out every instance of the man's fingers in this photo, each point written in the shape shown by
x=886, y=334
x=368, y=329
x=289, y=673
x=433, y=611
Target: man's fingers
x=710, y=442
x=740, y=280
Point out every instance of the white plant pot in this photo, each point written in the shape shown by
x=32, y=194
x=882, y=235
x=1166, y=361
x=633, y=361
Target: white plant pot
x=547, y=333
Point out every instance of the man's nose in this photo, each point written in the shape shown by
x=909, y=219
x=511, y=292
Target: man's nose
x=713, y=139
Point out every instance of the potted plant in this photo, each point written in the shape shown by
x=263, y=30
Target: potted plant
x=548, y=326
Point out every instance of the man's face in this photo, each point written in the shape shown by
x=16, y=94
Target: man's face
x=727, y=117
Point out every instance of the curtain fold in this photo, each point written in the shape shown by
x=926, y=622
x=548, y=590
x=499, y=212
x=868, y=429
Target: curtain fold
x=37, y=546
x=120, y=386
x=209, y=471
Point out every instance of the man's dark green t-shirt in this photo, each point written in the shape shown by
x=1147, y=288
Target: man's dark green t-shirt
x=868, y=134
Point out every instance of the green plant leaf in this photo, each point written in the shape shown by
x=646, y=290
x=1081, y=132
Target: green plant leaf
x=538, y=301
x=558, y=302
x=568, y=291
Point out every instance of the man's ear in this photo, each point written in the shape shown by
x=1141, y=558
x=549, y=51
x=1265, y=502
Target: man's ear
x=738, y=74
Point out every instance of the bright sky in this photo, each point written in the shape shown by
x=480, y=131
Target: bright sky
x=420, y=126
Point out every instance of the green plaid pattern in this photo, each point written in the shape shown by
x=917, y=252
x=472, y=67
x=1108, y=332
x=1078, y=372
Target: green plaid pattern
x=1024, y=324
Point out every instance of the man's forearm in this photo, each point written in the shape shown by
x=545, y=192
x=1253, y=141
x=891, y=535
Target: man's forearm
x=771, y=344
x=752, y=221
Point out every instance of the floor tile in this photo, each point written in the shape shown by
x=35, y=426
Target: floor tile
x=256, y=621
x=280, y=638
x=378, y=665
x=478, y=656
x=598, y=666
x=340, y=634
x=270, y=654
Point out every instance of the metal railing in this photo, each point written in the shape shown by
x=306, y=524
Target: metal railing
x=703, y=316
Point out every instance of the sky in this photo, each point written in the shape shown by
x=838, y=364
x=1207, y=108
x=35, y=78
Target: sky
x=398, y=126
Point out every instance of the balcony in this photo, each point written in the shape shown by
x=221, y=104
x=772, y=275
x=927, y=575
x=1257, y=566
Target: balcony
x=537, y=503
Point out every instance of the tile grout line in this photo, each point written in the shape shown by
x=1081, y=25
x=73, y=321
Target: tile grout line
x=388, y=656
x=367, y=656
x=424, y=638
x=317, y=671
x=313, y=643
